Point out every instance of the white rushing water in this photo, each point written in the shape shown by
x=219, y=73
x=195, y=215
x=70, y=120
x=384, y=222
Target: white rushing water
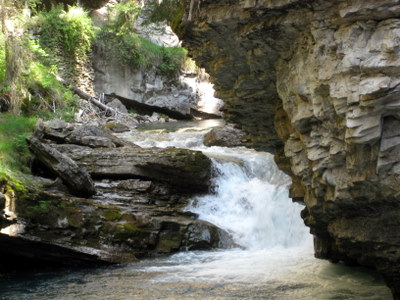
x=250, y=201
x=250, y=198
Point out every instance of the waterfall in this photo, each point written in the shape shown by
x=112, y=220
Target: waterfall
x=251, y=202
x=250, y=198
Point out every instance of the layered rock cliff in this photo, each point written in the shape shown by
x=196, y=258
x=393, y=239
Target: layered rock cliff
x=317, y=83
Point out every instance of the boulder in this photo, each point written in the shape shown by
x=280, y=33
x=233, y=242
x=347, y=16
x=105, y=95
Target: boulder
x=117, y=127
x=118, y=106
x=227, y=136
x=91, y=136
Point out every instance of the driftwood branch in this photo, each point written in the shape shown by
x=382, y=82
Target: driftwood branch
x=86, y=96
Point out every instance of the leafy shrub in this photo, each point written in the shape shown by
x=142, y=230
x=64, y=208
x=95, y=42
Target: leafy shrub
x=71, y=30
x=14, y=151
x=168, y=10
x=47, y=97
x=2, y=59
x=124, y=14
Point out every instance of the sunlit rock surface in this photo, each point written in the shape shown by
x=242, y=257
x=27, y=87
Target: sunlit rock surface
x=317, y=82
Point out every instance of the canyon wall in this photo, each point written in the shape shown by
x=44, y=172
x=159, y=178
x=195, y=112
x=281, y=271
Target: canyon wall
x=318, y=84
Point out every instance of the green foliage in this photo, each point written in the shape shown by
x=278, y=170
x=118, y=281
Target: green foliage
x=2, y=59
x=130, y=48
x=124, y=14
x=14, y=153
x=47, y=97
x=71, y=31
x=168, y=10
x=42, y=207
x=132, y=111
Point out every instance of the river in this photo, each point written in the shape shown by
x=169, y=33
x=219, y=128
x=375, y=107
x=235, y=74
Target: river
x=273, y=260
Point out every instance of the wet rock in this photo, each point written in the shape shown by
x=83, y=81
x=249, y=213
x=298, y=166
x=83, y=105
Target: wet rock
x=76, y=178
x=227, y=136
x=138, y=208
x=204, y=235
x=22, y=253
x=122, y=222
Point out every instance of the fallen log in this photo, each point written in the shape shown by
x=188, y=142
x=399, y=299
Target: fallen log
x=76, y=178
x=86, y=96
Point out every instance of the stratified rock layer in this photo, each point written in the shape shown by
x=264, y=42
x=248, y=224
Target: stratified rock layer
x=133, y=206
x=318, y=83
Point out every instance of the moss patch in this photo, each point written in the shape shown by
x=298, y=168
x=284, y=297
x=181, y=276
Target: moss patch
x=111, y=214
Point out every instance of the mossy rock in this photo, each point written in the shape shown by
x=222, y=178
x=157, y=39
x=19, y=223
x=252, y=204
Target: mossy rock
x=169, y=241
x=117, y=127
x=112, y=214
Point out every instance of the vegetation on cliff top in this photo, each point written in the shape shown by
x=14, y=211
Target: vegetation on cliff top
x=171, y=11
x=66, y=32
x=128, y=47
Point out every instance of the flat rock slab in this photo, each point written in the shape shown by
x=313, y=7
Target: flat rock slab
x=182, y=168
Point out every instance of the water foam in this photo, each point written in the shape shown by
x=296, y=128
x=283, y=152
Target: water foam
x=251, y=202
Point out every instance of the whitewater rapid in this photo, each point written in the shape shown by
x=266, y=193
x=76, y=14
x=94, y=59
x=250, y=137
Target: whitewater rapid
x=250, y=196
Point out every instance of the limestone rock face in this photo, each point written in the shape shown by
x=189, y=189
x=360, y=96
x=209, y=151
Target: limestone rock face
x=318, y=83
